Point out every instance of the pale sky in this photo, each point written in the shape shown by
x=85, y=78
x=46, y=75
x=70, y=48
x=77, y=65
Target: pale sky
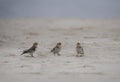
x=60, y=8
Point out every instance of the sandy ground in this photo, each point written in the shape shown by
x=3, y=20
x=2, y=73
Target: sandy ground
x=100, y=39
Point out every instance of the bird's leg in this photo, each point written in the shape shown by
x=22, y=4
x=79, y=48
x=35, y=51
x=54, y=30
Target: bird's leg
x=31, y=54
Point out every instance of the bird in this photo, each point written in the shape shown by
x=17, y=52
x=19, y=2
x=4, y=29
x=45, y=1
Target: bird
x=57, y=49
x=79, y=50
x=31, y=50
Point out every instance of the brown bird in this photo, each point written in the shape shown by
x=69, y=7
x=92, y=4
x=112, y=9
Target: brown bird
x=79, y=50
x=31, y=50
x=57, y=49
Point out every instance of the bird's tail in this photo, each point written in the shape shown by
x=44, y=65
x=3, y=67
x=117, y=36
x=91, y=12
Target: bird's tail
x=24, y=52
x=51, y=50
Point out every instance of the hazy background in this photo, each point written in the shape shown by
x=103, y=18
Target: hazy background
x=60, y=8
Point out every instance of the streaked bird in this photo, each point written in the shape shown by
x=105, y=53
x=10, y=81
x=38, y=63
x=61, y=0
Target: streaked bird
x=31, y=50
x=79, y=50
x=57, y=49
